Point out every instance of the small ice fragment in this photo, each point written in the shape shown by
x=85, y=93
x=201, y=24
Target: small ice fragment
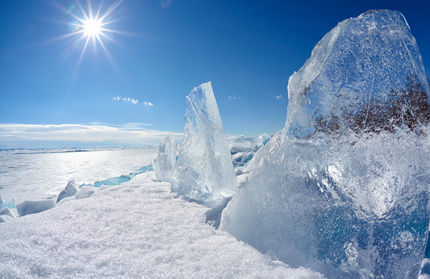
x=166, y=159
x=69, y=191
x=31, y=207
x=7, y=212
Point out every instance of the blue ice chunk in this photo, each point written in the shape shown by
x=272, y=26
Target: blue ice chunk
x=242, y=158
x=10, y=204
x=144, y=169
x=31, y=207
x=69, y=191
x=5, y=211
x=113, y=181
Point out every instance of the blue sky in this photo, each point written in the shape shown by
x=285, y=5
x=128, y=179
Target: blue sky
x=248, y=49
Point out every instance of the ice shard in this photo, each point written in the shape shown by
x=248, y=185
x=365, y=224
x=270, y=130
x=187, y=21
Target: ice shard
x=6, y=214
x=204, y=170
x=3, y=204
x=343, y=188
x=68, y=191
x=166, y=159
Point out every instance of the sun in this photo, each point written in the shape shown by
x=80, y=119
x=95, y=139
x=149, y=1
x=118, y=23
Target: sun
x=92, y=27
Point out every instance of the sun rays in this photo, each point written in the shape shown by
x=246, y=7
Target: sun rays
x=91, y=26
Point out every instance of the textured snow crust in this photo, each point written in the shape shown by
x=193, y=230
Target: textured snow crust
x=137, y=230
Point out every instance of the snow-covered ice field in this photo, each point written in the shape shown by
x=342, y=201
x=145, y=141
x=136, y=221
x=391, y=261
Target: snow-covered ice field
x=138, y=229
x=38, y=174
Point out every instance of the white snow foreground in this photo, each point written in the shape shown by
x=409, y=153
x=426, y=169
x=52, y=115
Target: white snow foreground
x=204, y=171
x=137, y=230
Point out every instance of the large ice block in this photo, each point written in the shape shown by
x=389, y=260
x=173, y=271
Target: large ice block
x=365, y=75
x=343, y=188
x=204, y=170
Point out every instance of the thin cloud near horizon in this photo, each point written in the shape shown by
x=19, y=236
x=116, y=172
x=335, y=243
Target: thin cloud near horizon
x=13, y=134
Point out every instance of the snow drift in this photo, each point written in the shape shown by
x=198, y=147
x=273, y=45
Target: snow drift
x=343, y=188
x=138, y=230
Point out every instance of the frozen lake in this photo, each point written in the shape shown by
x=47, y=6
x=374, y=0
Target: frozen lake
x=38, y=174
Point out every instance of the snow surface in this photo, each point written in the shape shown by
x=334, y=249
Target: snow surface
x=137, y=230
x=41, y=174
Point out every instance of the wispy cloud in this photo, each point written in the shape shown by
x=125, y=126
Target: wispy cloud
x=126, y=99
x=165, y=3
x=132, y=101
x=278, y=97
x=23, y=135
x=134, y=126
x=234, y=98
